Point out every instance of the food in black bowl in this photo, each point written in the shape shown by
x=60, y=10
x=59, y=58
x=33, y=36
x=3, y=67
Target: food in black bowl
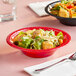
x=64, y=11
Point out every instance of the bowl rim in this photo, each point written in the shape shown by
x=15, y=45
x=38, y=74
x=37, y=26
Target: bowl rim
x=15, y=46
x=46, y=10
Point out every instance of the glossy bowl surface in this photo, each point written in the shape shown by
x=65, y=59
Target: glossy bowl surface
x=66, y=21
x=38, y=53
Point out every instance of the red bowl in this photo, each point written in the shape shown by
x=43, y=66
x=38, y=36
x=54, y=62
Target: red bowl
x=38, y=53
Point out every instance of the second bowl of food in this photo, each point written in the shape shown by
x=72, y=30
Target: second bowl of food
x=38, y=42
x=64, y=11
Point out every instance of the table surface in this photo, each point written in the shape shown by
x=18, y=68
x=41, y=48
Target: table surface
x=12, y=61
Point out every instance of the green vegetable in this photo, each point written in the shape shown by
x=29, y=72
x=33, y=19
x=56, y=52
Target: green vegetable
x=26, y=43
x=56, y=44
x=66, y=1
x=37, y=45
x=52, y=33
x=21, y=33
x=21, y=45
x=60, y=34
x=42, y=40
x=56, y=8
x=24, y=38
x=37, y=37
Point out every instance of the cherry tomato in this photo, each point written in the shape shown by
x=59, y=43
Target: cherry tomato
x=70, y=6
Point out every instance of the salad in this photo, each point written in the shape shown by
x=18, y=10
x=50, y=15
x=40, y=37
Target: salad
x=38, y=39
x=65, y=8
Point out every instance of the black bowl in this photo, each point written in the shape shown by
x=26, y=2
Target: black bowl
x=66, y=21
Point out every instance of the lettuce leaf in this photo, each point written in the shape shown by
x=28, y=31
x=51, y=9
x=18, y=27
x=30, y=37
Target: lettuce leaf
x=21, y=33
x=25, y=43
x=38, y=44
x=66, y=1
x=60, y=35
x=52, y=33
x=56, y=8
